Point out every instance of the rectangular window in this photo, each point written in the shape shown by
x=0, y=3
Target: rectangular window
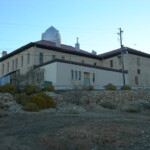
x=8, y=67
x=41, y=58
x=72, y=74
x=79, y=75
x=22, y=61
x=28, y=55
x=53, y=57
x=138, y=71
x=3, y=69
x=136, y=80
x=111, y=63
x=76, y=75
x=93, y=77
x=13, y=65
x=119, y=59
x=138, y=61
x=16, y=63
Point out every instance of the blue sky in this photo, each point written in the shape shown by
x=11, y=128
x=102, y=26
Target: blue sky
x=95, y=22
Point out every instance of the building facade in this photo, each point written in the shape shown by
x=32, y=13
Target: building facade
x=137, y=64
x=66, y=66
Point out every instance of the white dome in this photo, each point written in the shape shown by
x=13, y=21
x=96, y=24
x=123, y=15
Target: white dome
x=52, y=35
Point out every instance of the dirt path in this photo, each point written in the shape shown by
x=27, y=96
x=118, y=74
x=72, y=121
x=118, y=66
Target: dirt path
x=86, y=131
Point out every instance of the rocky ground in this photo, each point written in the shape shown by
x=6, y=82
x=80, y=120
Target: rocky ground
x=79, y=122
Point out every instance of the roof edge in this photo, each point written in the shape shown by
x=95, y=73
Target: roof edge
x=81, y=64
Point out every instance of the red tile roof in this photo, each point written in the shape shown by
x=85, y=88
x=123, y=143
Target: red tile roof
x=66, y=47
x=118, y=52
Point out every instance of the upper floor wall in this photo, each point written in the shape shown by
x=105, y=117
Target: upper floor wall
x=34, y=56
x=138, y=68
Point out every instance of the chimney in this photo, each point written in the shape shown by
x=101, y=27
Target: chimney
x=4, y=53
x=77, y=45
x=94, y=52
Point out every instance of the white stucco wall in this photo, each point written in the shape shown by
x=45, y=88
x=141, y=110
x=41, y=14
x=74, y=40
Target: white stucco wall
x=50, y=73
x=62, y=73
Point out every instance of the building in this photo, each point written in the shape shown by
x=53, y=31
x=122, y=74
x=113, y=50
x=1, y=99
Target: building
x=66, y=66
x=137, y=64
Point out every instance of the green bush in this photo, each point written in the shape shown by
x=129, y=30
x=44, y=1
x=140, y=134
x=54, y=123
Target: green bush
x=48, y=99
x=73, y=111
x=132, y=109
x=22, y=98
x=110, y=87
x=90, y=87
x=8, y=88
x=126, y=87
x=42, y=100
x=29, y=89
x=39, y=101
x=37, y=89
x=49, y=88
x=108, y=105
x=31, y=107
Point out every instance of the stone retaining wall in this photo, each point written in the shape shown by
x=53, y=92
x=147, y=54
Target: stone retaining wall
x=96, y=96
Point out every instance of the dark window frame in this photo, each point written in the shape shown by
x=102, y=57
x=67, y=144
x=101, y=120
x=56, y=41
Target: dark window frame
x=111, y=63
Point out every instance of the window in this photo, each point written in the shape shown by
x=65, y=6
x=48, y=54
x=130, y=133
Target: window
x=41, y=58
x=79, y=75
x=13, y=65
x=138, y=71
x=93, y=77
x=76, y=75
x=138, y=61
x=28, y=55
x=3, y=69
x=136, y=80
x=111, y=63
x=22, y=61
x=119, y=59
x=42, y=76
x=53, y=57
x=8, y=67
x=72, y=74
x=16, y=63
x=63, y=57
x=94, y=64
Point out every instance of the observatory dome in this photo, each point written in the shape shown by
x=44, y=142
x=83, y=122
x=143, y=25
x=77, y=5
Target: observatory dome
x=52, y=35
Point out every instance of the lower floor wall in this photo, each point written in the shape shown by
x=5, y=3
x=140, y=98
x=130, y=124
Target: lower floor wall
x=71, y=75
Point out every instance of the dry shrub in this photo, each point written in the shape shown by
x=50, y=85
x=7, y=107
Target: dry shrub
x=31, y=107
x=108, y=105
x=22, y=98
x=29, y=89
x=49, y=102
x=49, y=88
x=8, y=88
x=90, y=87
x=132, y=109
x=126, y=87
x=37, y=89
x=43, y=101
x=110, y=86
